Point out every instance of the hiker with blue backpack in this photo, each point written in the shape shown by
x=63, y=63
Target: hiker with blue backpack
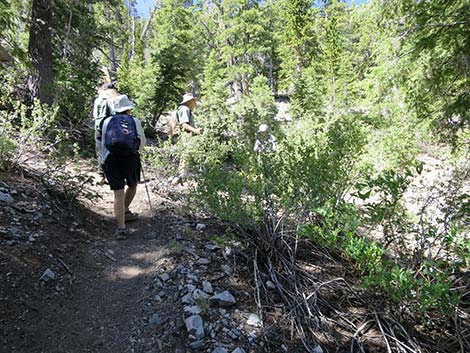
x=122, y=141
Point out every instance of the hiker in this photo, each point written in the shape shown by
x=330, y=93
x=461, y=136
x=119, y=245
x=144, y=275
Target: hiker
x=265, y=142
x=122, y=140
x=186, y=123
x=101, y=110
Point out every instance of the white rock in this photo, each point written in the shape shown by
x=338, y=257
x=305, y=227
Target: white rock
x=200, y=226
x=254, y=320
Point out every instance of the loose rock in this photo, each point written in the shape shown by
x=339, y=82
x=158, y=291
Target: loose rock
x=164, y=277
x=187, y=299
x=193, y=310
x=239, y=350
x=203, y=261
x=220, y=350
x=227, y=269
x=197, y=294
x=196, y=344
x=194, y=326
x=155, y=320
x=6, y=197
x=200, y=226
x=224, y=299
x=254, y=320
x=48, y=275
x=207, y=287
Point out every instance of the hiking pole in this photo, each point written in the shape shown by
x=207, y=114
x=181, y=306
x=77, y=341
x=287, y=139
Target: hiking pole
x=147, y=191
x=162, y=226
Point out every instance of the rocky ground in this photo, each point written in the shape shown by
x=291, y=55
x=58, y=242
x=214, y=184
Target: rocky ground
x=68, y=286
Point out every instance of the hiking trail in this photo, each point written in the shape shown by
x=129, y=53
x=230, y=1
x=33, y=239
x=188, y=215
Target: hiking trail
x=132, y=295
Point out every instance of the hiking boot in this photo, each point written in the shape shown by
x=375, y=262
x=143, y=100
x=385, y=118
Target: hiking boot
x=130, y=217
x=120, y=234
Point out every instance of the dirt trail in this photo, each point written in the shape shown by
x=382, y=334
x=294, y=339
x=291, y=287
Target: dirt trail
x=99, y=303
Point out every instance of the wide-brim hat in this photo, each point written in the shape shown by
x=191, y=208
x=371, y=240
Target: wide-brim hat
x=122, y=103
x=187, y=97
x=263, y=128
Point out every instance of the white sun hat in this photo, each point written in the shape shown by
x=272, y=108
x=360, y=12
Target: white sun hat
x=122, y=103
x=187, y=97
x=263, y=128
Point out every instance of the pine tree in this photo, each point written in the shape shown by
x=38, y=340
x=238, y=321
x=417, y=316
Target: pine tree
x=166, y=62
x=434, y=54
x=297, y=38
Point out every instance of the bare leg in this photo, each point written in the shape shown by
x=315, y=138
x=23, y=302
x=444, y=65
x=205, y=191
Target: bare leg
x=119, y=207
x=130, y=193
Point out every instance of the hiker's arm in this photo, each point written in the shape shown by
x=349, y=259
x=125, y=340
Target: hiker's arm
x=95, y=110
x=189, y=128
x=257, y=147
x=140, y=132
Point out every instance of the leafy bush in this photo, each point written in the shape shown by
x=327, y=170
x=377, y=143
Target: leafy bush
x=315, y=163
x=313, y=166
x=426, y=287
x=23, y=127
x=8, y=149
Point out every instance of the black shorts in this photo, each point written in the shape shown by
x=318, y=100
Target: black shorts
x=122, y=170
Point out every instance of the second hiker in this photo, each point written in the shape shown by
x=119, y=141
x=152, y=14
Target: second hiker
x=186, y=123
x=102, y=108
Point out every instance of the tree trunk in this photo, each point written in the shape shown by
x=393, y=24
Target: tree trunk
x=112, y=56
x=40, y=82
x=148, y=23
x=133, y=27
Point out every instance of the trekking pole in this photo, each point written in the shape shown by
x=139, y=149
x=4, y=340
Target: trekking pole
x=161, y=226
x=147, y=191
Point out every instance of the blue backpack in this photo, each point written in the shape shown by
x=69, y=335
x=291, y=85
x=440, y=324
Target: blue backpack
x=121, y=135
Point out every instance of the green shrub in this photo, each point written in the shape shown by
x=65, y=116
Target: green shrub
x=427, y=287
x=8, y=149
